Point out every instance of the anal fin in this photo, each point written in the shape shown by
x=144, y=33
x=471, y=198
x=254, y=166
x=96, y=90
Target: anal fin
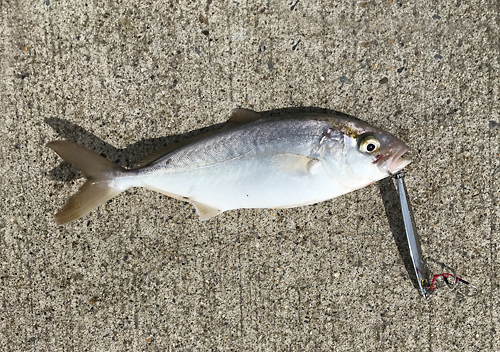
x=204, y=211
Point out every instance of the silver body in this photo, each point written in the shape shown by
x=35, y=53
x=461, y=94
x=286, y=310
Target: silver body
x=269, y=163
x=256, y=162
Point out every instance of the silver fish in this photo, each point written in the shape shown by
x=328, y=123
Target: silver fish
x=259, y=162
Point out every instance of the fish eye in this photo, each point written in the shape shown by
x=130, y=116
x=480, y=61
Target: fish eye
x=369, y=145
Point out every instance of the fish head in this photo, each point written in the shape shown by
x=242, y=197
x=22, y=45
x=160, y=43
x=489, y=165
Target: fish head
x=359, y=154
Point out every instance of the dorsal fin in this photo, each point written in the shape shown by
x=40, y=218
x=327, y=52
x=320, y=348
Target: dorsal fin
x=242, y=116
x=238, y=117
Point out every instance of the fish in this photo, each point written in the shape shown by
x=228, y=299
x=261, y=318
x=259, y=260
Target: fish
x=257, y=161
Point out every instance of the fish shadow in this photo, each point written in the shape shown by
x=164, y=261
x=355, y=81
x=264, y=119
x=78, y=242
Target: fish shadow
x=135, y=152
x=390, y=198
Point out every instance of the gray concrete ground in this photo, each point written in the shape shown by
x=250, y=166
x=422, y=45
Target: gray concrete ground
x=143, y=274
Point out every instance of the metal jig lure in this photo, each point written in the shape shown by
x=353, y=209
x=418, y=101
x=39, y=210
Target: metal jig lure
x=426, y=284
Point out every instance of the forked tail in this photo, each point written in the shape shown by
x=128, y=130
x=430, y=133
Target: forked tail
x=98, y=189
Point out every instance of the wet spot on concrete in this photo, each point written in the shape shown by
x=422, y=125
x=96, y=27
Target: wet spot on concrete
x=270, y=64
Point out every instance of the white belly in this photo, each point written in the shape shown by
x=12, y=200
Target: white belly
x=248, y=184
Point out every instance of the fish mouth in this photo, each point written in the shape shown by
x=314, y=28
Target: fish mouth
x=393, y=163
x=399, y=161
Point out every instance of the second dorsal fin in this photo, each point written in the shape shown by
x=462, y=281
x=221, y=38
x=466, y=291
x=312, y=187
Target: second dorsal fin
x=242, y=116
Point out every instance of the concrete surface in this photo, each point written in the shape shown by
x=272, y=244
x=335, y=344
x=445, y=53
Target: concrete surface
x=143, y=274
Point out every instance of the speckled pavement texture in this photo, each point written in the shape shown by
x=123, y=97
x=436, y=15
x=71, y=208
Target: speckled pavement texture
x=141, y=273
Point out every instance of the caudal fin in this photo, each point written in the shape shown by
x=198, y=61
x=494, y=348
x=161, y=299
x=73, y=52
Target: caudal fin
x=99, y=172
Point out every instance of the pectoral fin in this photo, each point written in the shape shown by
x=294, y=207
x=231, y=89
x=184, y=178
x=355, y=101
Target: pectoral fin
x=296, y=164
x=205, y=212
